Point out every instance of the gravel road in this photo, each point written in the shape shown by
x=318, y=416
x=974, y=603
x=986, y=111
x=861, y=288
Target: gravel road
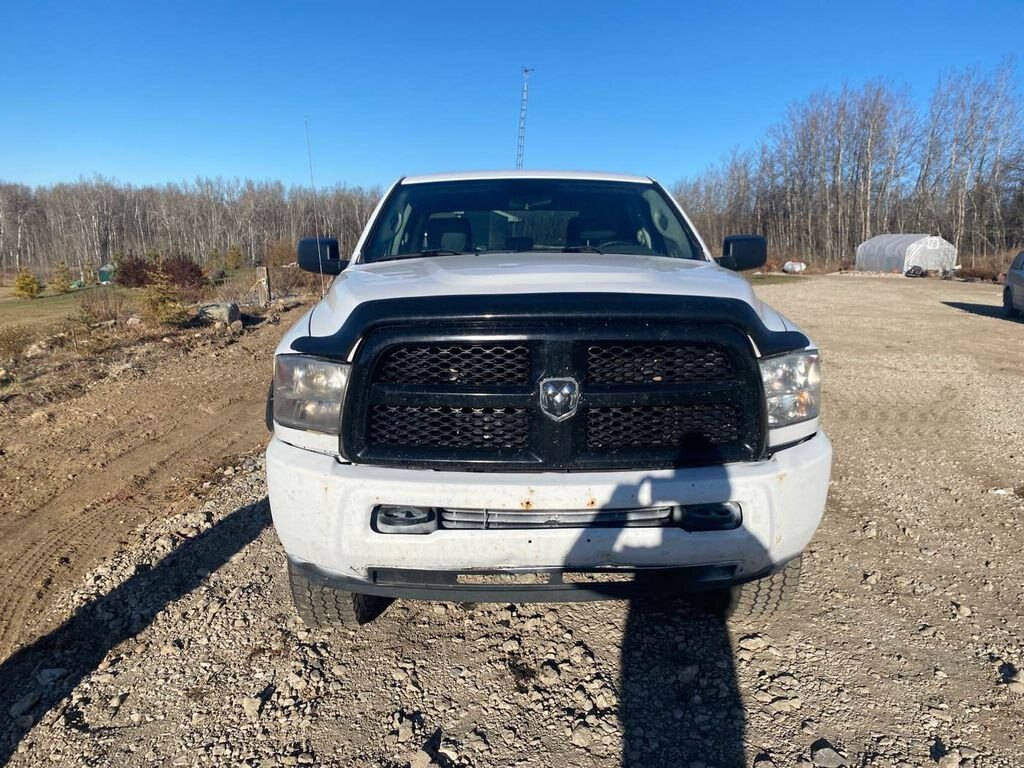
x=903, y=647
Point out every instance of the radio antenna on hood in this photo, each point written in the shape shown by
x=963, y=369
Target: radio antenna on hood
x=316, y=223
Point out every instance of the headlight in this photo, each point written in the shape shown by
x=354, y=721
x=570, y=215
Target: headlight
x=309, y=392
x=792, y=387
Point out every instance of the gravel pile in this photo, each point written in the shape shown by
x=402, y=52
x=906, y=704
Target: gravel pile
x=903, y=648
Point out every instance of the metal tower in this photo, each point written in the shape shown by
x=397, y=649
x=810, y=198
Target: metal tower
x=521, y=144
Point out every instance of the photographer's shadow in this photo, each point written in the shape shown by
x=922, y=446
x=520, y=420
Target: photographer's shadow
x=679, y=697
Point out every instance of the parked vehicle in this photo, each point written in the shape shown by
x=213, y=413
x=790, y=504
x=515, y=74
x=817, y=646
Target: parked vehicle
x=542, y=386
x=1013, y=290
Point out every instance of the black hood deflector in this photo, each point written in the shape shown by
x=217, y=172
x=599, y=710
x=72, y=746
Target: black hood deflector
x=488, y=313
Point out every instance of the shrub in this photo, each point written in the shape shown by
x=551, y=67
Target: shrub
x=103, y=305
x=132, y=272
x=27, y=285
x=183, y=272
x=161, y=300
x=61, y=280
x=987, y=274
x=234, y=258
x=279, y=253
x=286, y=281
x=14, y=340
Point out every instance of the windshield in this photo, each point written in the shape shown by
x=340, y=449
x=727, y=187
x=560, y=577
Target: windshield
x=529, y=215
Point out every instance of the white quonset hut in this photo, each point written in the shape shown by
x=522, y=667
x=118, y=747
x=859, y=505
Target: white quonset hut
x=898, y=253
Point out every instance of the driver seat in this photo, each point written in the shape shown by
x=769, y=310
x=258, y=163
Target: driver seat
x=449, y=233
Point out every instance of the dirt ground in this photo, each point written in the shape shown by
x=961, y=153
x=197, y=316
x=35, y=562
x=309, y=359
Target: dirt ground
x=142, y=625
x=92, y=461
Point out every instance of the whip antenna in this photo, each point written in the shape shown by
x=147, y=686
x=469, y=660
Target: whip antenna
x=316, y=224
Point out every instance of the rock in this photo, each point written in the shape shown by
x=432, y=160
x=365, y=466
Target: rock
x=227, y=313
x=5, y=377
x=753, y=643
x=950, y=760
x=1016, y=686
x=133, y=321
x=51, y=675
x=549, y=673
x=38, y=349
x=116, y=701
x=420, y=759
x=581, y=736
x=24, y=704
x=782, y=705
x=251, y=706
x=404, y=731
x=824, y=754
x=962, y=610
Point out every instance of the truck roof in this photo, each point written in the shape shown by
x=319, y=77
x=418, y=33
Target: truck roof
x=521, y=174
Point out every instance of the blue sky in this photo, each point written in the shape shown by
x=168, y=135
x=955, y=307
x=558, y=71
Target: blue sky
x=154, y=92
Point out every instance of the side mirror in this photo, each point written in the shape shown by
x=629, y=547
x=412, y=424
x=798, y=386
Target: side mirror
x=314, y=252
x=740, y=252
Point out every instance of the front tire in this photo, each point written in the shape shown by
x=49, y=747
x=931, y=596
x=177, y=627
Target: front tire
x=758, y=600
x=321, y=606
x=1008, y=303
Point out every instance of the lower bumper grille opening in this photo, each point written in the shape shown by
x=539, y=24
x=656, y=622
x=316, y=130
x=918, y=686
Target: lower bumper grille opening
x=488, y=519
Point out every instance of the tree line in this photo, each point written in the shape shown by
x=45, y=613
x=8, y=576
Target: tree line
x=843, y=166
x=88, y=223
x=840, y=167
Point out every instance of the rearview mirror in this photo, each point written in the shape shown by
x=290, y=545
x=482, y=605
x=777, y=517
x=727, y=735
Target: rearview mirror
x=740, y=252
x=320, y=254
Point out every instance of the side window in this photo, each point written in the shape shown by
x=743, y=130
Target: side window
x=667, y=226
x=1019, y=263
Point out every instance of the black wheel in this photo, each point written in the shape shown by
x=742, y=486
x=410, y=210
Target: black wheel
x=756, y=600
x=1008, y=303
x=320, y=605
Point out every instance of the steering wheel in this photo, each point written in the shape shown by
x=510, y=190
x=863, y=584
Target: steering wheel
x=606, y=243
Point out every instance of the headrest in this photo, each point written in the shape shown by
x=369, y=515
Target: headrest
x=451, y=233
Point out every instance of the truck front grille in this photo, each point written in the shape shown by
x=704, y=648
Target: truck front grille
x=466, y=364
x=666, y=426
x=654, y=395
x=445, y=427
x=656, y=363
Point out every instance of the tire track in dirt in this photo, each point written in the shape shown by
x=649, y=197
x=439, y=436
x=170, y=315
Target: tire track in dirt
x=184, y=419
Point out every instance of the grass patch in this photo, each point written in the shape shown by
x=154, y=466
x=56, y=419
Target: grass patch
x=38, y=313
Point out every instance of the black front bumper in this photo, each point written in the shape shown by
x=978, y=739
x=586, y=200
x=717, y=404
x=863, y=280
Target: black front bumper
x=547, y=585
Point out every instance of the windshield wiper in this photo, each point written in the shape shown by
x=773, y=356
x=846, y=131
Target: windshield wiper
x=426, y=252
x=582, y=249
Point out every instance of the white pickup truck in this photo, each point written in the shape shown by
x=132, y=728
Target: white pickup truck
x=541, y=386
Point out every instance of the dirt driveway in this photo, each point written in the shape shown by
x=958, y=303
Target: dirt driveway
x=903, y=648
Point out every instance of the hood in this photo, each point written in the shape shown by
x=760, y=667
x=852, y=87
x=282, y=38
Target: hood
x=506, y=273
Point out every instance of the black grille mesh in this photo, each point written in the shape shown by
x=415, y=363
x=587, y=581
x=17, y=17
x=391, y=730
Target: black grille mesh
x=447, y=427
x=656, y=363
x=470, y=364
x=671, y=426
